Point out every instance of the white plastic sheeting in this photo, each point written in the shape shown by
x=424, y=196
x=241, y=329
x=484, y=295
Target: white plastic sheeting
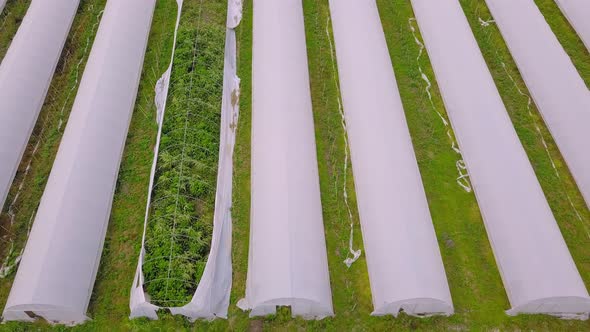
x=139, y=304
x=25, y=76
x=556, y=87
x=578, y=13
x=287, y=262
x=211, y=298
x=536, y=267
x=405, y=267
x=2, y=4
x=60, y=262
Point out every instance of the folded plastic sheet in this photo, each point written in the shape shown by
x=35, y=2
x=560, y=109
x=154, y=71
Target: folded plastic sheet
x=61, y=258
x=287, y=264
x=211, y=299
x=25, y=75
x=555, y=86
x=398, y=234
x=536, y=267
x=578, y=14
x=139, y=304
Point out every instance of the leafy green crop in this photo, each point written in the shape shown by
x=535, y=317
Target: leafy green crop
x=181, y=216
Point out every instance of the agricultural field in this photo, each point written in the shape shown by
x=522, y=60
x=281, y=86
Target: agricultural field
x=558, y=185
x=478, y=293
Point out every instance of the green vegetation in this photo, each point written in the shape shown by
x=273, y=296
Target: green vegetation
x=10, y=19
x=477, y=290
x=181, y=221
x=27, y=188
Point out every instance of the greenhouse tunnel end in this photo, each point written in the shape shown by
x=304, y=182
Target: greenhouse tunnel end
x=53, y=314
x=566, y=307
x=418, y=307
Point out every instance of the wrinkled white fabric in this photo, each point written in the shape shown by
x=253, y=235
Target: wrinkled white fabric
x=61, y=258
x=578, y=14
x=211, y=299
x=287, y=263
x=537, y=269
x=139, y=304
x=234, y=13
x=399, y=239
x=25, y=76
x=556, y=87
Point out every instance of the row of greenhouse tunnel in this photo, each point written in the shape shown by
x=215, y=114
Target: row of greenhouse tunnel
x=192, y=168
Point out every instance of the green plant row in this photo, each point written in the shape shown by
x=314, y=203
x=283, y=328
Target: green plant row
x=180, y=225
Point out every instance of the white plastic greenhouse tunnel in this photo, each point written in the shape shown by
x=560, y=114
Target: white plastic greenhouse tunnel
x=2, y=4
x=536, y=267
x=60, y=261
x=211, y=299
x=555, y=85
x=287, y=264
x=577, y=12
x=398, y=233
x=25, y=75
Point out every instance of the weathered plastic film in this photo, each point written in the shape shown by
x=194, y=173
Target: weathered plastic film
x=536, y=267
x=556, y=87
x=287, y=262
x=60, y=262
x=398, y=234
x=25, y=75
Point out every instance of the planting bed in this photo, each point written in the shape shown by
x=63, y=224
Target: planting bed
x=180, y=225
